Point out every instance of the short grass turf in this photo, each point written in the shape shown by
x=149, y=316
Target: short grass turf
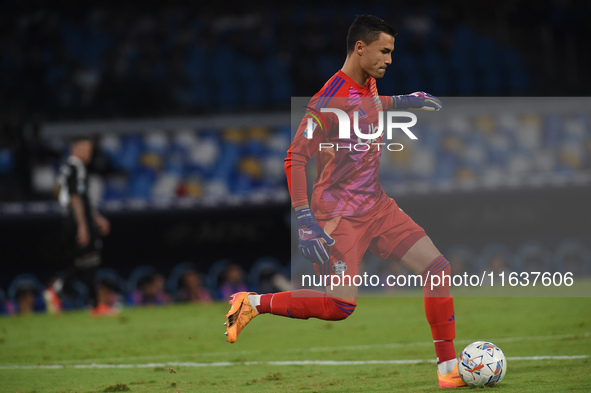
x=149, y=345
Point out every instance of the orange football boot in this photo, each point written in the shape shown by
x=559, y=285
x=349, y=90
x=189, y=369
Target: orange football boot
x=103, y=310
x=451, y=380
x=239, y=315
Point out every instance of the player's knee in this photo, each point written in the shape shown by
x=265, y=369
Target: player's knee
x=437, y=278
x=438, y=267
x=340, y=309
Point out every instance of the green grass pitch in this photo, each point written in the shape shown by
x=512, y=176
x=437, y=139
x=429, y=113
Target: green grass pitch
x=176, y=348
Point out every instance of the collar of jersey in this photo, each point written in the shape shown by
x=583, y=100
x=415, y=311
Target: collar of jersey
x=75, y=160
x=353, y=83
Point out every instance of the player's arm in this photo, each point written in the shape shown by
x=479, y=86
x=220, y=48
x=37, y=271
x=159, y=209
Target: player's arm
x=312, y=238
x=418, y=101
x=83, y=235
x=102, y=223
x=77, y=206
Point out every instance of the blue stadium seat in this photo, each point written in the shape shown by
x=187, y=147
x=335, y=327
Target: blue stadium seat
x=496, y=250
x=175, y=164
x=462, y=39
x=251, y=83
x=370, y=264
x=518, y=81
x=464, y=82
x=29, y=280
x=281, y=91
x=533, y=256
x=6, y=161
x=115, y=189
x=156, y=141
x=405, y=62
x=279, y=80
x=411, y=80
x=573, y=256
x=462, y=258
x=24, y=279
x=3, y=309
x=484, y=54
x=77, y=299
x=176, y=273
x=327, y=64
x=300, y=267
x=195, y=65
x=138, y=273
x=446, y=166
x=131, y=148
x=265, y=265
x=490, y=80
x=439, y=83
x=214, y=273
x=225, y=168
x=227, y=95
x=140, y=183
x=114, y=276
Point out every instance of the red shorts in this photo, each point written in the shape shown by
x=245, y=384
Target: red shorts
x=387, y=231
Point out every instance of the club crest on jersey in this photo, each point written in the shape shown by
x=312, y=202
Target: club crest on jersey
x=339, y=267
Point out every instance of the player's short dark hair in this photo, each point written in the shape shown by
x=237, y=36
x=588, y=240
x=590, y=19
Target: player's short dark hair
x=367, y=28
x=74, y=139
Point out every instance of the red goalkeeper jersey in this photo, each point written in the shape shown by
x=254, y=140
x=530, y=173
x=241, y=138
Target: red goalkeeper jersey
x=347, y=183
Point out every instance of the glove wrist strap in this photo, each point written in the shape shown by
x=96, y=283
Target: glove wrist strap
x=305, y=217
x=401, y=102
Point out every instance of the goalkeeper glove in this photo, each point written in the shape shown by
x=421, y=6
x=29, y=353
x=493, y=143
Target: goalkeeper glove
x=313, y=239
x=418, y=101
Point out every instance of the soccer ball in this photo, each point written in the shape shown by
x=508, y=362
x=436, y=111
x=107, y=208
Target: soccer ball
x=482, y=364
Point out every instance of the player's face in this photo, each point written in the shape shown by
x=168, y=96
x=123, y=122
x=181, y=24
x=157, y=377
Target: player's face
x=83, y=150
x=378, y=55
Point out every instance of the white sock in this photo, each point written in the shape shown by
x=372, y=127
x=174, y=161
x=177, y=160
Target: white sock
x=447, y=366
x=255, y=300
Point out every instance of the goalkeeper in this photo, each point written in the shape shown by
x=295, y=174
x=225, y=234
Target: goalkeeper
x=350, y=213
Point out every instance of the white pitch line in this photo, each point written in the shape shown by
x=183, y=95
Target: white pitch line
x=428, y=343
x=338, y=348
x=270, y=363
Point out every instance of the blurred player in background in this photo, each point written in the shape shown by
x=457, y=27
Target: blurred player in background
x=82, y=230
x=350, y=211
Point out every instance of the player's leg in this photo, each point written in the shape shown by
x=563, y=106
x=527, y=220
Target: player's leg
x=87, y=275
x=336, y=304
x=61, y=286
x=402, y=240
x=298, y=304
x=64, y=285
x=425, y=259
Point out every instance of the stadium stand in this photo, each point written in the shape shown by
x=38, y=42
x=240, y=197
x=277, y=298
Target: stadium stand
x=166, y=81
x=572, y=255
x=96, y=63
